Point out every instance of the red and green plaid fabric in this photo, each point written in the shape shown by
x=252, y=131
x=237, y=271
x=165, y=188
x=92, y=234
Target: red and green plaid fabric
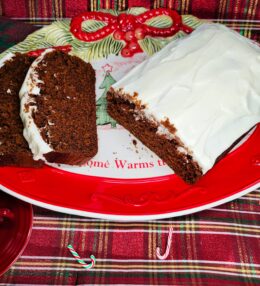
x=220, y=246
x=242, y=15
x=12, y=32
x=49, y=9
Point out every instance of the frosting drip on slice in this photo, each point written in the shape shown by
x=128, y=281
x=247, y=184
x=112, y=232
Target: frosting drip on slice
x=31, y=132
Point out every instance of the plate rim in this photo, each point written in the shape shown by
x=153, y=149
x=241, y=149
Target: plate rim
x=129, y=218
x=27, y=237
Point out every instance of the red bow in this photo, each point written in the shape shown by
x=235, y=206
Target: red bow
x=127, y=27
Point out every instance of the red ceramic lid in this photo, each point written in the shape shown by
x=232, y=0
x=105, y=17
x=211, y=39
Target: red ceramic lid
x=15, y=232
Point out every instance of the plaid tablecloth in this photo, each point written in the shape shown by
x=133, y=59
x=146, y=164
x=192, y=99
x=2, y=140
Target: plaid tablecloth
x=219, y=246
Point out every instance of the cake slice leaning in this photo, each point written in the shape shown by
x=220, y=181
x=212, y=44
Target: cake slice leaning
x=14, y=150
x=58, y=109
x=191, y=101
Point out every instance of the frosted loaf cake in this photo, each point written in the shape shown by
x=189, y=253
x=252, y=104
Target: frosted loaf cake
x=14, y=150
x=192, y=100
x=58, y=109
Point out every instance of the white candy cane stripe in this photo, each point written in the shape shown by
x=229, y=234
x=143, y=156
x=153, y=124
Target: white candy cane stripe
x=169, y=242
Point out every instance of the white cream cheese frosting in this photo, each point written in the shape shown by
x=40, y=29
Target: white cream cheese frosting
x=6, y=58
x=31, y=132
x=207, y=85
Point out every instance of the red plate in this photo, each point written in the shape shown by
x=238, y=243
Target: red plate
x=137, y=199
x=15, y=232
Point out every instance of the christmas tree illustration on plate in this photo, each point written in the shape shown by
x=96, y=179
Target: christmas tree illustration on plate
x=102, y=116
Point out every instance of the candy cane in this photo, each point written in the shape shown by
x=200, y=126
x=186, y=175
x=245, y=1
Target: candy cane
x=81, y=261
x=169, y=242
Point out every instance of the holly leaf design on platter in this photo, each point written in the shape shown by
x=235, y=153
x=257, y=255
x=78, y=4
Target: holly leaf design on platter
x=58, y=34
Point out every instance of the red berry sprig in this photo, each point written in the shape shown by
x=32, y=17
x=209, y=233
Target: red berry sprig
x=131, y=38
x=37, y=53
x=128, y=28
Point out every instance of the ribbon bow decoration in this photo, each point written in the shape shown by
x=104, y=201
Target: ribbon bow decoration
x=127, y=27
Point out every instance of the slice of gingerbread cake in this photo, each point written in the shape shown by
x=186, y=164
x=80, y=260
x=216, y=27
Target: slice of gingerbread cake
x=58, y=109
x=191, y=101
x=14, y=149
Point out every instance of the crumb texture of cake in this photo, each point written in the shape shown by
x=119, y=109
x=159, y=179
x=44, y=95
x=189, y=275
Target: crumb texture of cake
x=194, y=98
x=14, y=149
x=58, y=109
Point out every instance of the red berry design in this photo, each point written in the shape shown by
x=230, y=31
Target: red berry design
x=134, y=46
x=37, y=53
x=140, y=33
x=126, y=52
x=129, y=36
x=119, y=35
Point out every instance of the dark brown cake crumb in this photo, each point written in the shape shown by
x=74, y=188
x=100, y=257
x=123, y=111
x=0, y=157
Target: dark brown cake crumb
x=126, y=114
x=14, y=149
x=66, y=109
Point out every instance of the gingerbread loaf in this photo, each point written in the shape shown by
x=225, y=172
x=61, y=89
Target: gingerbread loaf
x=58, y=109
x=14, y=149
x=191, y=101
